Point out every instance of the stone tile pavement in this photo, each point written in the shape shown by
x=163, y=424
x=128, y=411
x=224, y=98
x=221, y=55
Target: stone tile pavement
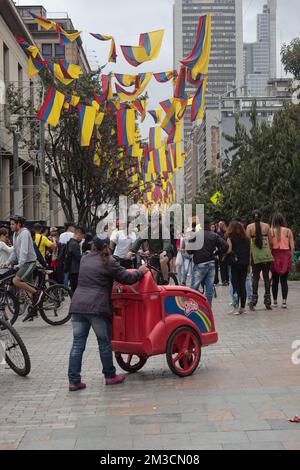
x=240, y=398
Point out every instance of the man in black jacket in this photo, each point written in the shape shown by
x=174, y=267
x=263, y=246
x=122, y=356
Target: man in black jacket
x=204, y=259
x=73, y=257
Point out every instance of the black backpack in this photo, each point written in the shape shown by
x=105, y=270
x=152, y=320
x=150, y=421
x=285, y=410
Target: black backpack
x=64, y=258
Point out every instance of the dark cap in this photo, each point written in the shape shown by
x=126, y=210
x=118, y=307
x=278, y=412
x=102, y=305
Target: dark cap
x=100, y=243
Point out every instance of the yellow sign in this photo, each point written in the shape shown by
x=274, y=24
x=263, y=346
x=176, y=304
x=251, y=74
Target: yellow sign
x=216, y=199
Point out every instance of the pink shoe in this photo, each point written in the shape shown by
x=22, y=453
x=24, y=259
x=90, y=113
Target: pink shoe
x=117, y=379
x=77, y=387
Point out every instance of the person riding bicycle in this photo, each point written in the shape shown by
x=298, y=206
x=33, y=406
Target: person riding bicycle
x=24, y=257
x=159, y=251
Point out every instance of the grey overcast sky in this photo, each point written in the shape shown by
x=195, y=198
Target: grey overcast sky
x=125, y=20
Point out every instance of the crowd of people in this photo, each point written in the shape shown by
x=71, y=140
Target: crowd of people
x=237, y=254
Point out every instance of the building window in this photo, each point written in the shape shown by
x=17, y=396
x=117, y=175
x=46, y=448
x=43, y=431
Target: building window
x=33, y=27
x=59, y=51
x=5, y=63
x=47, y=51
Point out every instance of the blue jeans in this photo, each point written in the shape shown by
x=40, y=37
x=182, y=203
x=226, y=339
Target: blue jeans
x=205, y=273
x=81, y=327
x=66, y=279
x=248, y=288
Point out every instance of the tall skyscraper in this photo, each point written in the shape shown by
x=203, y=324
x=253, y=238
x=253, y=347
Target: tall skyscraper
x=226, y=65
x=260, y=57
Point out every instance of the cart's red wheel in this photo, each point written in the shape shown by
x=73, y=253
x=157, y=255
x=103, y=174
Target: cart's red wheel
x=130, y=362
x=184, y=351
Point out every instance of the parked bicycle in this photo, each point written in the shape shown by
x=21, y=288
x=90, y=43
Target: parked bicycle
x=54, y=307
x=14, y=351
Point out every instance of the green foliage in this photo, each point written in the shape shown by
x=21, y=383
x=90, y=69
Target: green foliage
x=290, y=56
x=264, y=171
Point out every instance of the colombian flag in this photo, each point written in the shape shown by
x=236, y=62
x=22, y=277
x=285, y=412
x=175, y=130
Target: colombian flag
x=34, y=66
x=70, y=70
x=64, y=37
x=30, y=48
x=156, y=114
x=198, y=60
x=87, y=117
x=125, y=80
x=197, y=82
x=155, y=138
x=170, y=166
x=140, y=107
x=180, y=85
x=141, y=84
x=51, y=110
x=154, y=158
x=164, y=77
x=46, y=24
x=197, y=111
x=113, y=51
x=126, y=127
x=148, y=49
x=57, y=72
x=176, y=156
x=134, y=151
x=106, y=92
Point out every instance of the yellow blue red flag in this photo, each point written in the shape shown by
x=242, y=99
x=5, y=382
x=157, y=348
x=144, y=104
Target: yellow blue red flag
x=142, y=82
x=126, y=127
x=125, y=80
x=198, y=60
x=156, y=114
x=66, y=38
x=164, y=77
x=113, y=51
x=197, y=111
x=155, y=138
x=28, y=47
x=87, y=117
x=43, y=22
x=51, y=109
x=148, y=49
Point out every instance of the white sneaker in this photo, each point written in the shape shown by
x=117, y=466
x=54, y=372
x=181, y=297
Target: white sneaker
x=238, y=312
x=232, y=311
x=284, y=305
x=275, y=304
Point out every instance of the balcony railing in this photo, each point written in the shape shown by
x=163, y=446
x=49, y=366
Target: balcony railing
x=55, y=15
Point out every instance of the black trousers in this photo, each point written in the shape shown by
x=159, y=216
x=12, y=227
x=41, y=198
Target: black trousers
x=224, y=272
x=284, y=285
x=74, y=282
x=256, y=270
x=238, y=278
x=216, y=271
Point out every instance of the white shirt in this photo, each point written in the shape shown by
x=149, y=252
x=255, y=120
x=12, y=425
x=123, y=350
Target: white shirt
x=123, y=243
x=66, y=237
x=5, y=252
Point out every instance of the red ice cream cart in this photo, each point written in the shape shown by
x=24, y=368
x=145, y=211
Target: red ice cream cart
x=150, y=320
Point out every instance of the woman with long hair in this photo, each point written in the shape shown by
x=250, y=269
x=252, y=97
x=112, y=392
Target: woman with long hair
x=91, y=306
x=283, y=247
x=239, y=252
x=261, y=243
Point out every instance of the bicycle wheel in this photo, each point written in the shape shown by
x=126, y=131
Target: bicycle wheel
x=55, y=306
x=10, y=307
x=16, y=354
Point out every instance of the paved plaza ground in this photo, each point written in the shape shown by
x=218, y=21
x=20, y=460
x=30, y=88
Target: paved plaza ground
x=240, y=398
